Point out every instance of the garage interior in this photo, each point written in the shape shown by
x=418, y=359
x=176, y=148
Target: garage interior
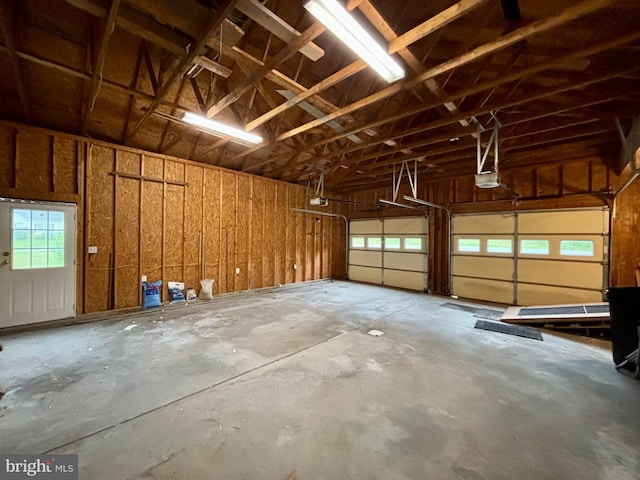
x=491, y=166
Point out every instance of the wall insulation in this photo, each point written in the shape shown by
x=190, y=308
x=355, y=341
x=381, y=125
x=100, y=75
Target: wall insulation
x=167, y=218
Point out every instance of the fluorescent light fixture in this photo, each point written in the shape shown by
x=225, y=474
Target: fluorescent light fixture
x=396, y=204
x=220, y=129
x=424, y=202
x=336, y=18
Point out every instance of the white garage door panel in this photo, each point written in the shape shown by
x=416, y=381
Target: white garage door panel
x=365, y=258
x=576, y=221
x=360, y=227
x=365, y=274
x=496, y=223
x=489, y=290
x=405, y=226
x=576, y=274
x=413, y=262
x=399, y=265
x=544, y=295
x=494, y=268
x=549, y=272
x=408, y=280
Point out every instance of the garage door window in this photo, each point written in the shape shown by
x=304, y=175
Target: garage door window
x=357, y=242
x=534, y=247
x=413, y=244
x=499, y=245
x=392, y=243
x=577, y=248
x=374, y=243
x=469, y=245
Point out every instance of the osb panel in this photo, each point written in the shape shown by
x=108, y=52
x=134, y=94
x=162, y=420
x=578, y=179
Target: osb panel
x=151, y=231
x=257, y=233
x=548, y=181
x=575, y=177
x=523, y=182
x=228, y=231
x=65, y=165
x=174, y=233
x=279, y=239
x=128, y=162
x=626, y=248
x=7, y=152
x=500, y=193
x=464, y=189
x=34, y=161
x=153, y=166
x=318, y=253
x=482, y=194
x=192, y=277
x=127, y=241
x=291, y=235
x=600, y=180
x=327, y=224
x=212, y=244
x=338, y=249
x=308, y=244
x=174, y=171
x=193, y=218
x=271, y=237
x=243, y=213
x=100, y=186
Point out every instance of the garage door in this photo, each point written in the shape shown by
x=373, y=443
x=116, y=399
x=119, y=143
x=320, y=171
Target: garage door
x=390, y=251
x=531, y=258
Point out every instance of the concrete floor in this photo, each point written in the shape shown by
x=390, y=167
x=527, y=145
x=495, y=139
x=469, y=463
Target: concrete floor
x=286, y=384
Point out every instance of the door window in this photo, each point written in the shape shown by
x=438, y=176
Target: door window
x=37, y=239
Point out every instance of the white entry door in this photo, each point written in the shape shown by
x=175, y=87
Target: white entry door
x=37, y=262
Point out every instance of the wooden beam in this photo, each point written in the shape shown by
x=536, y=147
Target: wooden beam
x=151, y=72
x=190, y=17
x=212, y=25
x=400, y=44
x=136, y=22
x=283, y=55
x=477, y=88
x=213, y=67
x=134, y=84
x=434, y=23
x=260, y=14
x=571, y=13
x=198, y=94
x=109, y=24
x=328, y=82
x=6, y=14
x=534, y=98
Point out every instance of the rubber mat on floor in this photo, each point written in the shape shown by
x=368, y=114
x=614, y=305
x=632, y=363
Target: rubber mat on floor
x=509, y=329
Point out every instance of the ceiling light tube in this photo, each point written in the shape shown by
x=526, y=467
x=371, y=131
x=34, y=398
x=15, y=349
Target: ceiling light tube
x=218, y=128
x=337, y=19
x=424, y=202
x=396, y=204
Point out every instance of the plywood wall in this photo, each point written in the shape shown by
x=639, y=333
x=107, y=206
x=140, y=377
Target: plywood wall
x=167, y=218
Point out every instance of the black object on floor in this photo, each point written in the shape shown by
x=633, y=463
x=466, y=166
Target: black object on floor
x=624, y=304
x=509, y=329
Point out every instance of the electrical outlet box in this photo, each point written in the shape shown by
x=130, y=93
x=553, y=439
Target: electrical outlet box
x=237, y=270
x=295, y=266
x=92, y=249
x=144, y=278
